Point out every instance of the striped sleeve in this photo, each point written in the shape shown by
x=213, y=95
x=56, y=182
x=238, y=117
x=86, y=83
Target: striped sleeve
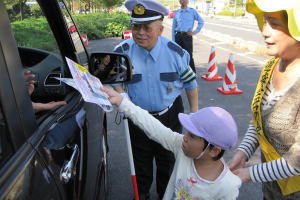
x=250, y=141
x=188, y=75
x=271, y=171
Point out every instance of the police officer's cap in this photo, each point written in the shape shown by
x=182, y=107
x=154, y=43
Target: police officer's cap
x=145, y=11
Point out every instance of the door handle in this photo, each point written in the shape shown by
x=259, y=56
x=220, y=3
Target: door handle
x=68, y=170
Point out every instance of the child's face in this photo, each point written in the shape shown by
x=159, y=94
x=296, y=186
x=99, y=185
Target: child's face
x=192, y=145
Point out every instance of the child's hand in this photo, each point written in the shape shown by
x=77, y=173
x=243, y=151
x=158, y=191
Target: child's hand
x=237, y=161
x=244, y=174
x=114, y=97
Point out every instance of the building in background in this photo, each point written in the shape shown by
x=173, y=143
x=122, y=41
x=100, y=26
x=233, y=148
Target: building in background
x=209, y=6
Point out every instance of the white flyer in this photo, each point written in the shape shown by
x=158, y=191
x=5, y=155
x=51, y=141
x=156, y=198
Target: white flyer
x=88, y=85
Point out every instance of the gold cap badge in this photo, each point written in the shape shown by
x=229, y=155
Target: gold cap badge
x=139, y=9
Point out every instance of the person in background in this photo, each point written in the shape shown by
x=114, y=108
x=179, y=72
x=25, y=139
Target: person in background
x=275, y=126
x=28, y=76
x=200, y=171
x=102, y=70
x=182, y=28
x=160, y=72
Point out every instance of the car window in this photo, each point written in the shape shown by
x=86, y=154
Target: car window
x=5, y=146
x=38, y=50
x=30, y=26
x=75, y=35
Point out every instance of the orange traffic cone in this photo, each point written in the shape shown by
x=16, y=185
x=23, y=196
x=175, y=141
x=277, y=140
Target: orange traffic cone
x=212, y=68
x=230, y=82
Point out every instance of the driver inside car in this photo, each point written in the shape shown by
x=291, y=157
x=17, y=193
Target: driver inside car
x=29, y=76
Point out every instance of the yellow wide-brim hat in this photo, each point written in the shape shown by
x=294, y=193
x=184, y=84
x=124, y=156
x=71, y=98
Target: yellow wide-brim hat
x=292, y=7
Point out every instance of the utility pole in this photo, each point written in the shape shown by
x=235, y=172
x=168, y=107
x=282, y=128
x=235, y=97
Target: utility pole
x=235, y=2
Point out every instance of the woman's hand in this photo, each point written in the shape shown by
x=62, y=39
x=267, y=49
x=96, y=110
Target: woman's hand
x=244, y=174
x=237, y=161
x=114, y=97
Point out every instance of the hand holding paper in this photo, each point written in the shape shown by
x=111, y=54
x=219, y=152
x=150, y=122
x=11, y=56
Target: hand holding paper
x=115, y=98
x=88, y=85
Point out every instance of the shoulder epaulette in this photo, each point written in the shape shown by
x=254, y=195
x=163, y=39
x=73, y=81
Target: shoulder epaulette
x=119, y=49
x=176, y=48
x=125, y=47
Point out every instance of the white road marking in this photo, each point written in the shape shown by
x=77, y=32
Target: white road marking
x=233, y=27
x=218, y=43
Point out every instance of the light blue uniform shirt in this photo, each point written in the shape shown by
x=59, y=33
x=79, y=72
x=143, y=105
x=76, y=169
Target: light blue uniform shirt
x=159, y=75
x=184, y=20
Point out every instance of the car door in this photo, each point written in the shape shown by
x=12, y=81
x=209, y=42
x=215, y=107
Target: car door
x=33, y=168
x=92, y=179
x=21, y=168
x=66, y=147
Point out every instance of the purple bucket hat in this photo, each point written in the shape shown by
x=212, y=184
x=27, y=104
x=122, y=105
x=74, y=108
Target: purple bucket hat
x=214, y=124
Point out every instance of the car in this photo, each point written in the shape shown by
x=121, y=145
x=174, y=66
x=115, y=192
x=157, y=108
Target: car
x=50, y=154
x=171, y=13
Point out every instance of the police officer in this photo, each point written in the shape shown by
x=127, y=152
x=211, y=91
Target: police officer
x=182, y=28
x=160, y=72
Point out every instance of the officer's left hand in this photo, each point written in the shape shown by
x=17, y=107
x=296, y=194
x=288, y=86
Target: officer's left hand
x=190, y=33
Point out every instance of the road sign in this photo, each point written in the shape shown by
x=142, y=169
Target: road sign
x=127, y=34
x=85, y=39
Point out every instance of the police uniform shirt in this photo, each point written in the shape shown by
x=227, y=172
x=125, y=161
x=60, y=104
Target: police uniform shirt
x=159, y=75
x=184, y=20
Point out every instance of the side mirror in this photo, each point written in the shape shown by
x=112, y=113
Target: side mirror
x=111, y=67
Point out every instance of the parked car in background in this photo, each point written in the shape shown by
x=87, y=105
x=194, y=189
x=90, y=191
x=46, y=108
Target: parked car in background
x=52, y=154
x=171, y=13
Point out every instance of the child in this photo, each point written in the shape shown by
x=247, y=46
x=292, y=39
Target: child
x=200, y=172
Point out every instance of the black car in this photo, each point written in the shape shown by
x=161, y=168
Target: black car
x=50, y=154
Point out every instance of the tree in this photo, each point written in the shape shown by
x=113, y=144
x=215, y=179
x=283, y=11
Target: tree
x=16, y=7
x=111, y=3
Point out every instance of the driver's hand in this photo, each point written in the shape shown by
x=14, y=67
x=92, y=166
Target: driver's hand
x=47, y=106
x=29, y=76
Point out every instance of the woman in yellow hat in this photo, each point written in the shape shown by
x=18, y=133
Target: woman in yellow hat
x=275, y=126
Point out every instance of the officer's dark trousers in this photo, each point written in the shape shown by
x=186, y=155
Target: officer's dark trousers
x=145, y=150
x=186, y=42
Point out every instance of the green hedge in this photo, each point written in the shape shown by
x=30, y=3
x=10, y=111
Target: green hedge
x=36, y=33
x=103, y=25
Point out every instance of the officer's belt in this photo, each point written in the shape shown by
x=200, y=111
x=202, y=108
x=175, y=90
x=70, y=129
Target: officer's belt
x=159, y=113
x=181, y=33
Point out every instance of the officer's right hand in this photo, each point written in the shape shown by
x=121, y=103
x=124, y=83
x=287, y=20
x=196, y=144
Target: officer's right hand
x=114, y=97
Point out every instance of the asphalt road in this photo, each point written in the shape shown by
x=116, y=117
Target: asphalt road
x=239, y=27
x=247, y=66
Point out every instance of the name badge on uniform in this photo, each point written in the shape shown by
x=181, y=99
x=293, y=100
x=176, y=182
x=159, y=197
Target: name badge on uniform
x=170, y=89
